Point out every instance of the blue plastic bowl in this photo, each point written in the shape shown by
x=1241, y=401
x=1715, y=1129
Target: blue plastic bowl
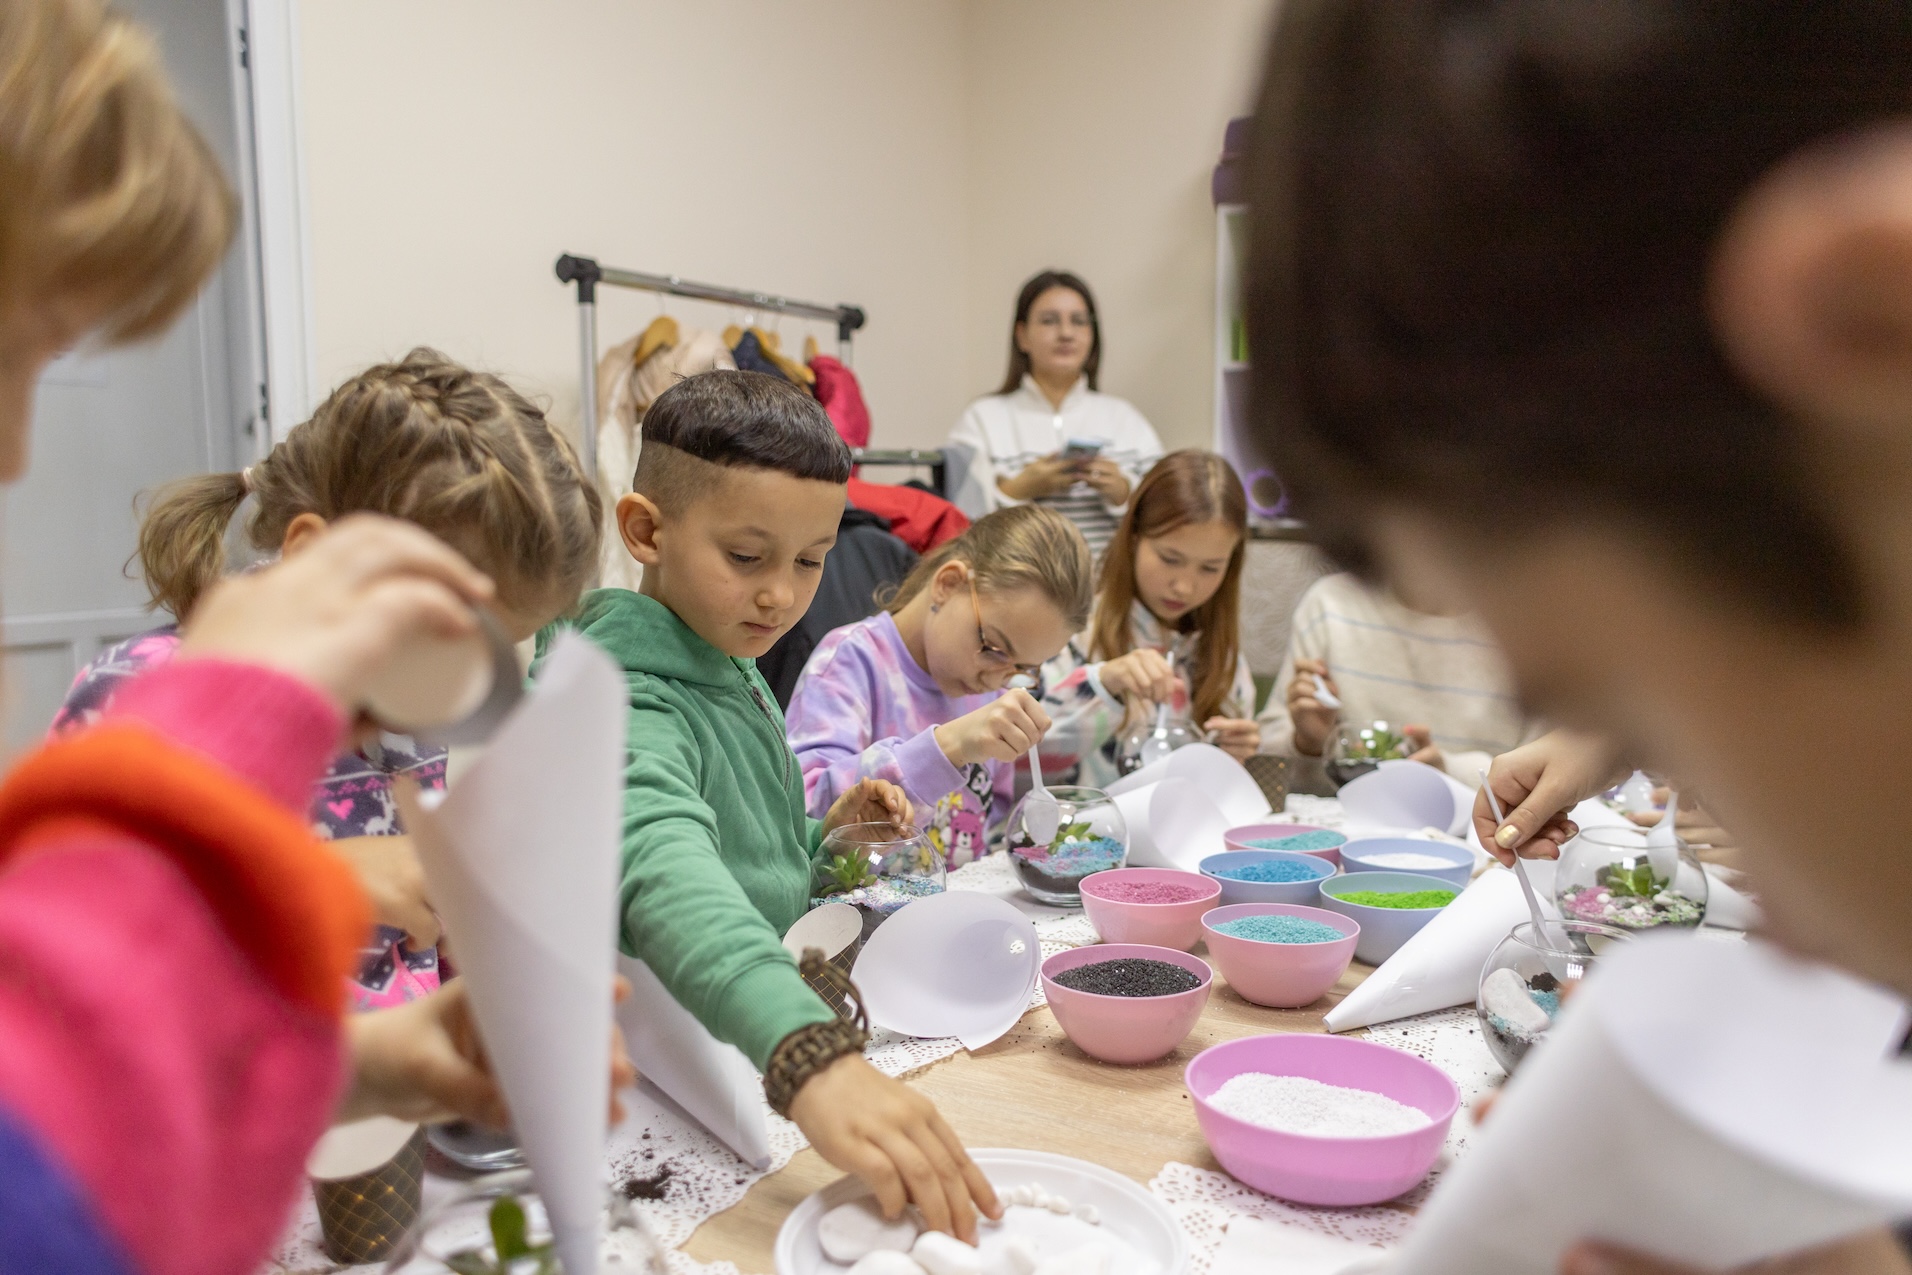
x=1358, y=856
x=1302, y=893
x=1383, y=930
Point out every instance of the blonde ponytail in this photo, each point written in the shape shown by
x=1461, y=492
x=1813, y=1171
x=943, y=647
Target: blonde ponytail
x=182, y=539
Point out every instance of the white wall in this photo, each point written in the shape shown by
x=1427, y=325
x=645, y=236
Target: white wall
x=916, y=157
x=1094, y=126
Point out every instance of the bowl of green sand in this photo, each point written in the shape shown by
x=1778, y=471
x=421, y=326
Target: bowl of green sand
x=1391, y=907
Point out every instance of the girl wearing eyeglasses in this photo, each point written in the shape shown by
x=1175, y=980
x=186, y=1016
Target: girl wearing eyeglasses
x=920, y=693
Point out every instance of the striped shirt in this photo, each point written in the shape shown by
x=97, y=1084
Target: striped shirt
x=1002, y=433
x=1405, y=668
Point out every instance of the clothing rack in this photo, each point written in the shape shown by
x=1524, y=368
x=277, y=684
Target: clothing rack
x=587, y=274
x=931, y=458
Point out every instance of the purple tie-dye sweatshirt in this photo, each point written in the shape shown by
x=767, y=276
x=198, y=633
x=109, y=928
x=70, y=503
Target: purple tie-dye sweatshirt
x=864, y=708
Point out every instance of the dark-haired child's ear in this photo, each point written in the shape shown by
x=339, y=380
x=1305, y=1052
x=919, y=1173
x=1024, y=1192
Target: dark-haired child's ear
x=638, y=521
x=300, y=532
x=1811, y=288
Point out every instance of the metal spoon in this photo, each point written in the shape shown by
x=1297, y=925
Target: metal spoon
x=1520, y=870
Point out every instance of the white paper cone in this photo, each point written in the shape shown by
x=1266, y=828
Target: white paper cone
x=1729, y=908
x=1225, y=780
x=710, y=1080
x=1440, y=966
x=1404, y=796
x=1153, y=773
x=1680, y=1109
x=961, y=963
x=529, y=896
x=1172, y=824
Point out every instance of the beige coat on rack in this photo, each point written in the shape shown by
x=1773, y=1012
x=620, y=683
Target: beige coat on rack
x=630, y=377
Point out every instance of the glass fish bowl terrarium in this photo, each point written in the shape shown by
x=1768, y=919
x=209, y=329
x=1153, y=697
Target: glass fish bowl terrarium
x=1086, y=834
x=1610, y=876
x=1525, y=977
x=1354, y=750
x=1152, y=737
x=496, y=1225
x=878, y=868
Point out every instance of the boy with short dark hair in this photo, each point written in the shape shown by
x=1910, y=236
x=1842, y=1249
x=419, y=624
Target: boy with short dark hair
x=739, y=489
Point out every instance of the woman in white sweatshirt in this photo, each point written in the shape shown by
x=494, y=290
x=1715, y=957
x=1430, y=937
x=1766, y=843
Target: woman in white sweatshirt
x=1048, y=435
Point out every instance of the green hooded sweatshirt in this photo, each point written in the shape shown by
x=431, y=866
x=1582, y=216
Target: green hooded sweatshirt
x=717, y=846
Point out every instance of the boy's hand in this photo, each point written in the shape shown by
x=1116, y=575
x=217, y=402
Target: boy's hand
x=388, y=869
x=892, y=1137
x=1239, y=737
x=1314, y=722
x=1143, y=673
x=1001, y=730
x=425, y=1062
x=871, y=801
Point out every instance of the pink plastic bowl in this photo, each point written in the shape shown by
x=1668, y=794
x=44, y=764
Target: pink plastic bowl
x=1177, y=925
x=1283, y=975
x=1125, y=1029
x=1324, y=1171
x=1238, y=838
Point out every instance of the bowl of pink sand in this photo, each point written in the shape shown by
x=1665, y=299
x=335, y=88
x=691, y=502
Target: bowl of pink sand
x=1157, y=906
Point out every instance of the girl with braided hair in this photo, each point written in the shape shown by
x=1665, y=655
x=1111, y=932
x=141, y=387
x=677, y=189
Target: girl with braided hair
x=459, y=453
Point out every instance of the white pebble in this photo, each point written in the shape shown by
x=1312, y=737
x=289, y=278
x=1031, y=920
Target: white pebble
x=850, y=1232
x=941, y=1254
x=1013, y=1255
x=1090, y=1259
x=1089, y=1213
x=887, y=1261
x=1057, y=1205
x=1505, y=995
x=1295, y=1104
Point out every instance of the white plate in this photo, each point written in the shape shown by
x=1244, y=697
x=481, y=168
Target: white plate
x=1129, y=1213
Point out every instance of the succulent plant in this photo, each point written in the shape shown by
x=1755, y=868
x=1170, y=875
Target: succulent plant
x=513, y=1252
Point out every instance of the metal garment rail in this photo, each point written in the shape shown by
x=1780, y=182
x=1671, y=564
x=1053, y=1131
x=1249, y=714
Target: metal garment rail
x=587, y=274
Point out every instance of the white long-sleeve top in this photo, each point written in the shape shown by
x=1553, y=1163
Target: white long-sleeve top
x=1403, y=667
x=1001, y=433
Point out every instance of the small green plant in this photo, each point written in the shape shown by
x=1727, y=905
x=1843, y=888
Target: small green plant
x=1377, y=743
x=844, y=873
x=1074, y=832
x=1633, y=878
x=514, y=1253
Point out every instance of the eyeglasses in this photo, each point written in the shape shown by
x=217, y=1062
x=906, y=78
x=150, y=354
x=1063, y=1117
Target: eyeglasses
x=993, y=655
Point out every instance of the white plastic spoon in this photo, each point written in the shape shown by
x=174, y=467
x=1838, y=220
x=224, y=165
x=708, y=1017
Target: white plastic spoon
x=1520, y=870
x=1323, y=696
x=1156, y=746
x=1041, y=812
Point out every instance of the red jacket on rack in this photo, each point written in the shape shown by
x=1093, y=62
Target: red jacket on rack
x=920, y=519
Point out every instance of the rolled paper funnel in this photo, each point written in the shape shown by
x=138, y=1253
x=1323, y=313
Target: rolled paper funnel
x=1701, y=1124
x=1172, y=824
x=1225, y=780
x=527, y=885
x=1406, y=795
x=710, y=1080
x=1440, y=965
x=960, y=964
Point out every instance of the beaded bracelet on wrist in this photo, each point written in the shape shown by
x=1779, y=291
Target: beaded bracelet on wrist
x=808, y=1050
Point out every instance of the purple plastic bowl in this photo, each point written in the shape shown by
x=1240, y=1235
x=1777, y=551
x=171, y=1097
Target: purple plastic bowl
x=1177, y=925
x=1238, y=838
x=1281, y=975
x=1125, y=1029
x=1324, y=1171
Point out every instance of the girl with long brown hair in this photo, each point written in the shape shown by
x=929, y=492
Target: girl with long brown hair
x=1170, y=586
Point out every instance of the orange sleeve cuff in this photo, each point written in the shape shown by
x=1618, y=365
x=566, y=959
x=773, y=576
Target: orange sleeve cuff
x=285, y=899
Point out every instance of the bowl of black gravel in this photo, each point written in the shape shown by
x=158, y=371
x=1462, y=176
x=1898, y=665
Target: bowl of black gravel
x=1126, y=1002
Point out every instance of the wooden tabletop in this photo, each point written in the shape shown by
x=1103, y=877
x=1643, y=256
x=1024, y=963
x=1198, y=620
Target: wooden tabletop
x=1034, y=1089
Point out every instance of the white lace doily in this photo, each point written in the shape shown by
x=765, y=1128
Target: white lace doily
x=696, y=1177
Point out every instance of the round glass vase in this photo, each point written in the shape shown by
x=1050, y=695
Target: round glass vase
x=1090, y=836
x=1354, y=750
x=1525, y=977
x=1150, y=739
x=877, y=868
x=460, y=1234
x=1610, y=876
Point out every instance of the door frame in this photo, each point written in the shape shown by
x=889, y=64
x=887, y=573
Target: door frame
x=267, y=34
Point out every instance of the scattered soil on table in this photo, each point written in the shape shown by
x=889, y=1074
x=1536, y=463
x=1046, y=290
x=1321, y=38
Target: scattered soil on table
x=652, y=1186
